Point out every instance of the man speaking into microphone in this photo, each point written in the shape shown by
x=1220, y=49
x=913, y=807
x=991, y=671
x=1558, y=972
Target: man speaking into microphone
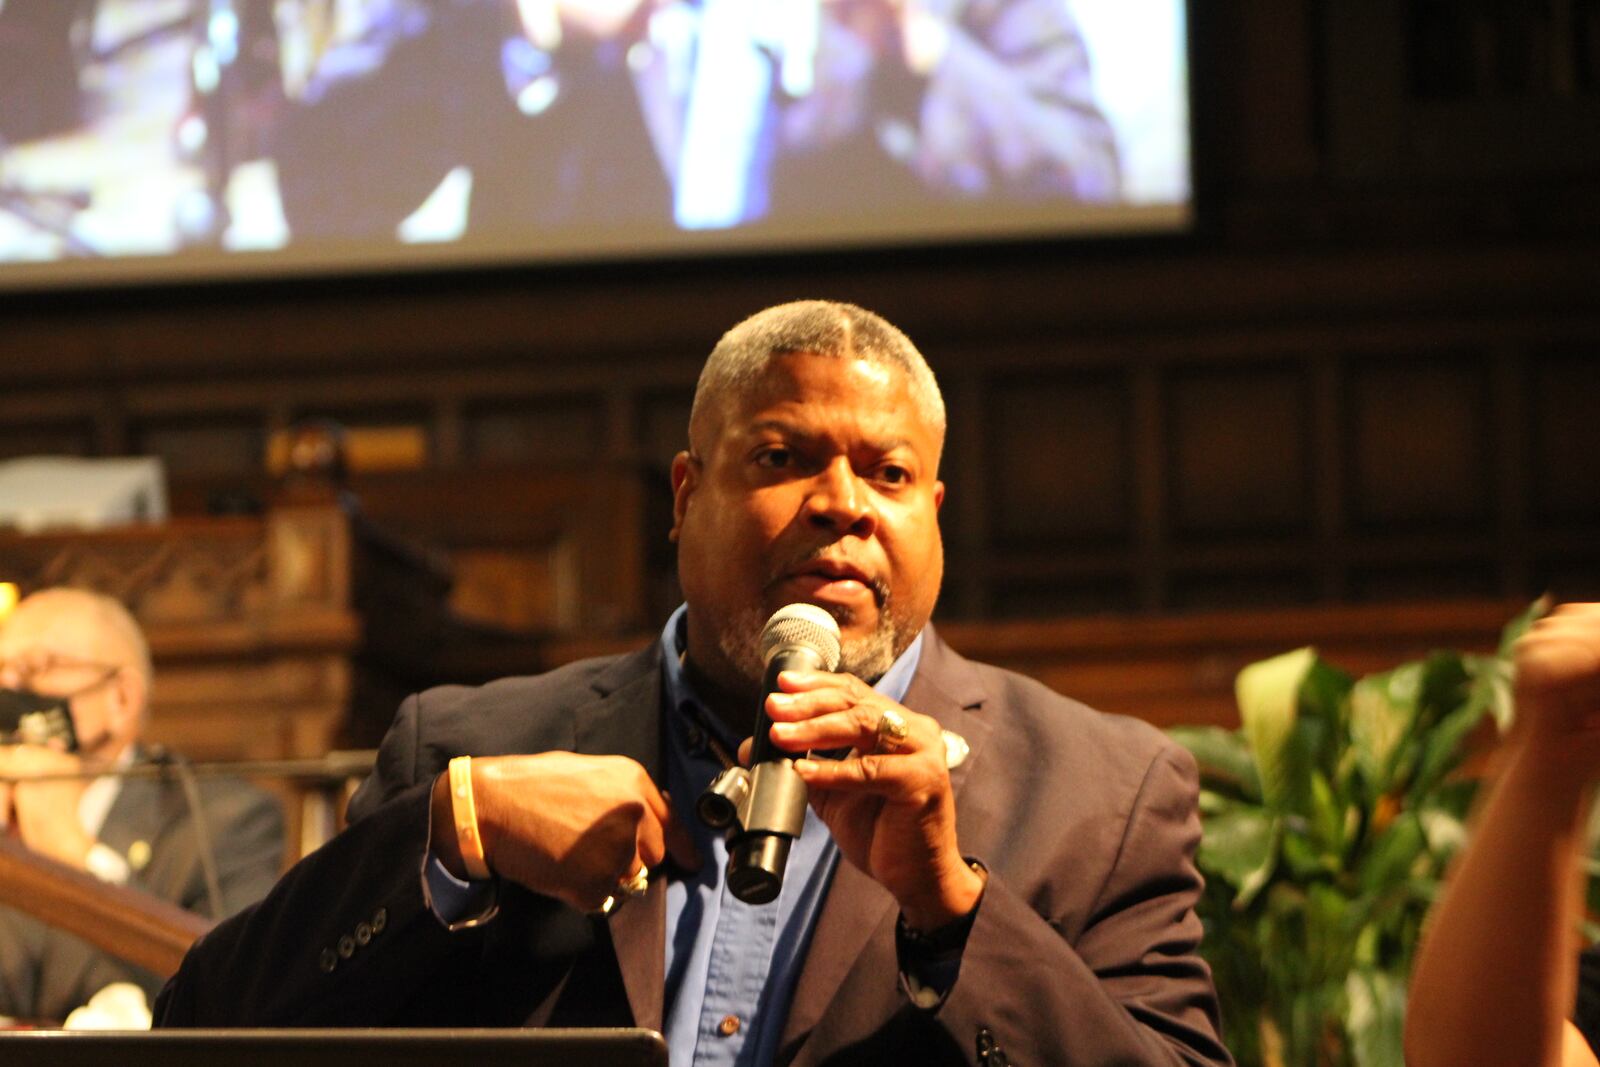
x=985, y=871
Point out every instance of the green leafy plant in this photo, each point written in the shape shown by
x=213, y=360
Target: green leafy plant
x=1329, y=818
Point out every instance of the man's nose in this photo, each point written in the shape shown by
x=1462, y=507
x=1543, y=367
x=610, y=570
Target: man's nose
x=840, y=502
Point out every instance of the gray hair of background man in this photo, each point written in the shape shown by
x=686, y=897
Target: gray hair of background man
x=818, y=327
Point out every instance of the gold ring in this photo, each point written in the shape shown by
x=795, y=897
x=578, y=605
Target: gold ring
x=635, y=885
x=892, y=730
x=629, y=888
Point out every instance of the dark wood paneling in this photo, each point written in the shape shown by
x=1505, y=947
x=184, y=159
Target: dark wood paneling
x=535, y=430
x=1239, y=440
x=1041, y=597
x=1566, y=461
x=1058, y=459
x=46, y=438
x=1421, y=441
x=1366, y=376
x=204, y=445
x=663, y=429
x=1273, y=588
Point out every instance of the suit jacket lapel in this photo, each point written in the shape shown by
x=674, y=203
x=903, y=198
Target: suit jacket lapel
x=631, y=691
x=131, y=816
x=857, y=908
x=142, y=809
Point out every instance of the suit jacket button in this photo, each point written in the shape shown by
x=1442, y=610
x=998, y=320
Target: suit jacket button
x=363, y=933
x=327, y=961
x=347, y=946
x=380, y=919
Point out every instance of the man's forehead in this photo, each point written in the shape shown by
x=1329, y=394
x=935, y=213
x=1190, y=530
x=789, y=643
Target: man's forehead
x=55, y=626
x=795, y=381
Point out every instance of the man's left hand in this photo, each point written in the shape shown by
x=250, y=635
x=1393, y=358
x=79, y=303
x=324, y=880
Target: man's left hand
x=890, y=808
x=45, y=814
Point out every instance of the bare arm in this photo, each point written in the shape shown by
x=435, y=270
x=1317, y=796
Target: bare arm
x=1495, y=978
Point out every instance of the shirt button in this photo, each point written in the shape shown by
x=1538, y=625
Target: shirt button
x=728, y=1026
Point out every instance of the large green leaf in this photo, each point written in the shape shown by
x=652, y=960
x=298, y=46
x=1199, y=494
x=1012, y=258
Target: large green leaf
x=1394, y=854
x=1445, y=746
x=1327, y=821
x=1492, y=687
x=1268, y=693
x=1324, y=700
x=1240, y=847
x=1375, y=1017
x=1520, y=625
x=1379, y=725
x=1496, y=673
x=1224, y=757
x=1444, y=830
x=1443, y=688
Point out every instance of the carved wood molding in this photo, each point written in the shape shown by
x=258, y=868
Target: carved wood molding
x=185, y=572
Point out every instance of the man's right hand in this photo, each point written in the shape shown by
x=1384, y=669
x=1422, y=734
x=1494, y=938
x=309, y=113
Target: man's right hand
x=565, y=825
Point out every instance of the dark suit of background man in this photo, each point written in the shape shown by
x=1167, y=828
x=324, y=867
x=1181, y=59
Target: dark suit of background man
x=1035, y=902
x=139, y=833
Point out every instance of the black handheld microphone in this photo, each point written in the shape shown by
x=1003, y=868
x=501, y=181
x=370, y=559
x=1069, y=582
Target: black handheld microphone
x=768, y=801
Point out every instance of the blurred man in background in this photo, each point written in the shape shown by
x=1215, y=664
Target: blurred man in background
x=83, y=649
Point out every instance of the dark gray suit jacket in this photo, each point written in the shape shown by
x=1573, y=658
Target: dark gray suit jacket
x=45, y=973
x=1083, y=951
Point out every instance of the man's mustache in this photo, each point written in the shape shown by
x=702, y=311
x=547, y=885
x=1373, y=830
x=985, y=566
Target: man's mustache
x=820, y=554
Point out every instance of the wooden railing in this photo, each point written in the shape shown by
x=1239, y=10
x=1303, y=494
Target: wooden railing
x=130, y=925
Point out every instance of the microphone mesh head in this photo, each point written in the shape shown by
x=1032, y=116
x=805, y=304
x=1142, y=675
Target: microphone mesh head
x=806, y=625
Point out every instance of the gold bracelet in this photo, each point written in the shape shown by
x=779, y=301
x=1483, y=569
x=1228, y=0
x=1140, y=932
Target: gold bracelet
x=465, y=813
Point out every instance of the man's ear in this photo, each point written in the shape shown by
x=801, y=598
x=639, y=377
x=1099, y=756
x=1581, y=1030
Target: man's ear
x=685, y=478
x=938, y=495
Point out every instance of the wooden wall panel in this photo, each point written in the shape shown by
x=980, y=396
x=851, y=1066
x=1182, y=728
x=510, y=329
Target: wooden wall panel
x=1239, y=439
x=663, y=426
x=544, y=429
x=1058, y=453
x=1421, y=442
x=1273, y=587
x=1566, y=415
x=209, y=444
x=22, y=438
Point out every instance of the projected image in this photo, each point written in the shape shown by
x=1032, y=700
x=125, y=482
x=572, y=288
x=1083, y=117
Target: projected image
x=387, y=131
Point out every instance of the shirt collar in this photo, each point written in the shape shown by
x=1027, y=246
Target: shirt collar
x=94, y=804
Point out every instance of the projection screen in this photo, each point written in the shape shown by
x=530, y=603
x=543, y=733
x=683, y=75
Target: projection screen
x=170, y=140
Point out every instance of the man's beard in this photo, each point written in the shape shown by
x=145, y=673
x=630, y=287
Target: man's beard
x=868, y=658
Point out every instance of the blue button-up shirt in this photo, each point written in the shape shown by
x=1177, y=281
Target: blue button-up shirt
x=727, y=960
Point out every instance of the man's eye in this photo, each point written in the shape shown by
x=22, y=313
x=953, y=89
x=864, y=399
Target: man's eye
x=894, y=474
x=774, y=458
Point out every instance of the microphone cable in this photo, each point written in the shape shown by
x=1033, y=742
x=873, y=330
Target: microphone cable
x=166, y=758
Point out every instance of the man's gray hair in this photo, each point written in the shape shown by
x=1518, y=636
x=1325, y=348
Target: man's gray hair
x=818, y=327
